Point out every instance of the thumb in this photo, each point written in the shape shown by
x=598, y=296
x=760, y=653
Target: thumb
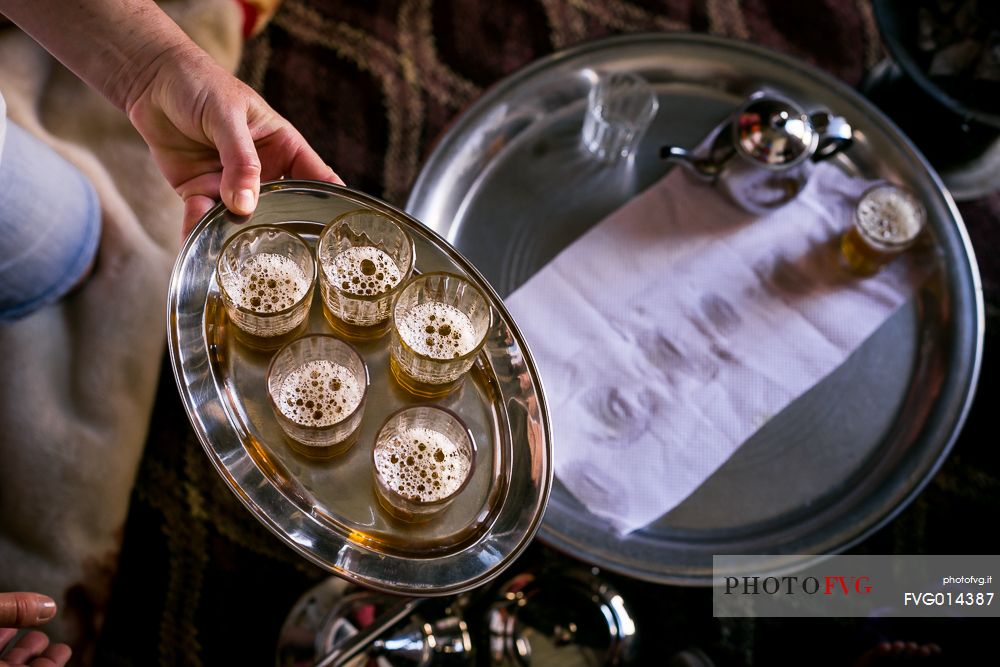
x=240, y=182
x=22, y=610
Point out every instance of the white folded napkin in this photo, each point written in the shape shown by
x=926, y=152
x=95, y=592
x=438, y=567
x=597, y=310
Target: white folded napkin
x=674, y=329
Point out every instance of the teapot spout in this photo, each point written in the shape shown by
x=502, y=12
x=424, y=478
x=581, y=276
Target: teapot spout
x=704, y=169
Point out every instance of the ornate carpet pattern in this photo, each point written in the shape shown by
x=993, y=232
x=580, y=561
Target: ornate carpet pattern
x=371, y=85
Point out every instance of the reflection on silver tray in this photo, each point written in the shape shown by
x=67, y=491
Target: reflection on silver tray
x=510, y=186
x=326, y=509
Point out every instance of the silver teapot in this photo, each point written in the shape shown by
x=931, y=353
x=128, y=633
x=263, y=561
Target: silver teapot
x=763, y=155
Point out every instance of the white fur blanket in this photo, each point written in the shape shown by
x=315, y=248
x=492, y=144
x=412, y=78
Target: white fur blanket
x=79, y=378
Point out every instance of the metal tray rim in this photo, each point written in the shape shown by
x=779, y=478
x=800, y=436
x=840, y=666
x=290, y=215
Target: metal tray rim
x=422, y=191
x=194, y=416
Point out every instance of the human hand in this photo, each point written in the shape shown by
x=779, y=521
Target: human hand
x=22, y=610
x=212, y=136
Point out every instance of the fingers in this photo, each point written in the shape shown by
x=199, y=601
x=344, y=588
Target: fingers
x=283, y=151
x=27, y=647
x=56, y=655
x=6, y=634
x=199, y=195
x=21, y=610
x=306, y=163
x=240, y=183
x=34, y=650
x=195, y=207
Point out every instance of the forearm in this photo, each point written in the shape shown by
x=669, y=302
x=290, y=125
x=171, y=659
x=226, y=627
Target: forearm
x=113, y=45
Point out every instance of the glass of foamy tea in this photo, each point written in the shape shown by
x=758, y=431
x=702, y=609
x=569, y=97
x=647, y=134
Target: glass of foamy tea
x=317, y=387
x=887, y=220
x=364, y=259
x=266, y=275
x=423, y=458
x=439, y=325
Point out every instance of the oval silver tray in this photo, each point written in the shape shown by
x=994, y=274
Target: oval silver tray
x=327, y=510
x=510, y=186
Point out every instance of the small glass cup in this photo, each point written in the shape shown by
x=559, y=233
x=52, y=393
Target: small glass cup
x=439, y=325
x=887, y=220
x=266, y=275
x=424, y=456
x=317, y=387
x=620, y=107
x=364, y=259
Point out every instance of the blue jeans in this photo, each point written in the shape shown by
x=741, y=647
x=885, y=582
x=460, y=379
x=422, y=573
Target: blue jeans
x=50, y=223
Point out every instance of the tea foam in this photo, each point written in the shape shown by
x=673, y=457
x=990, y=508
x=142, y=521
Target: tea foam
x=437, y=330
x=267, y=283
x=319, y=394
x=364, y=271
x=422, y=464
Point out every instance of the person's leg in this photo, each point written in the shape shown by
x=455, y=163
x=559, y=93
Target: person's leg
x=50, y=224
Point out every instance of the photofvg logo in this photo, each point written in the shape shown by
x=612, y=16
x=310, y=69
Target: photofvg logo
x=845, y=586
x=829, y=585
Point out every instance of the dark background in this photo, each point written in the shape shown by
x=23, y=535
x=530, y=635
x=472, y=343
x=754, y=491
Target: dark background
x=371, y=85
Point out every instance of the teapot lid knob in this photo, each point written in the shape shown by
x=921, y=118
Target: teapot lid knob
x=774, y=133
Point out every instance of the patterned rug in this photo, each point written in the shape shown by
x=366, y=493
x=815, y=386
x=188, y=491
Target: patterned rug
x=371, y=85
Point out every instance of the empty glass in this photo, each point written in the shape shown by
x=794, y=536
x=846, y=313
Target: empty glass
x=620, y=107
x=423, y=458
x=364, y=259
x=317, y=387
x=266, y=276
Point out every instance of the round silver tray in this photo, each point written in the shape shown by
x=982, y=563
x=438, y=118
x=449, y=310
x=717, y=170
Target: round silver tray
x=327, y=510
x=510, y=186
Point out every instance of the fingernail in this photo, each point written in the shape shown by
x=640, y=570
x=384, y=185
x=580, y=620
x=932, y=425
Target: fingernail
x=244, y=200
x=46, y=610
